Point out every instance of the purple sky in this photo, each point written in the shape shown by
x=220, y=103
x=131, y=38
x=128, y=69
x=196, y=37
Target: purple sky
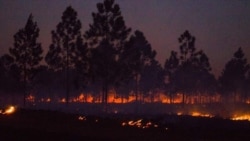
x=220, y=26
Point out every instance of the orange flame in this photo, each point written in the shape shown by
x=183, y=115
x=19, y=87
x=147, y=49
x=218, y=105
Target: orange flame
x=241, y=117
x=9, y=110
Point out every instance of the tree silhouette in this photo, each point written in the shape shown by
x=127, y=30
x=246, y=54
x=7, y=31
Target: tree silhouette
x=67, y=49
x=205, y=80
x=233, y=77
x=247, y=86
x=170, y=67
x=138, y=54
x=106, y=38
x=151, y=80
x=8, y=83
x=27, y=54
x=190, y=72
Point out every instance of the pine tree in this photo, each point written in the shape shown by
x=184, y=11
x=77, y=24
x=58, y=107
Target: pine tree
x=106, y=38
x=67, y=49
x=138, y=54
x=233, y=76
x=189, y=72
x=27, y=54
x=170, y=67
x=151, y=80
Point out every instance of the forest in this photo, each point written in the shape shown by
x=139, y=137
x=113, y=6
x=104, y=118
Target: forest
x=110, y=63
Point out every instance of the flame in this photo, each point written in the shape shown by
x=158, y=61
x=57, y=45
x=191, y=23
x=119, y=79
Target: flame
x=82, y=118
x=198, y=114
x=113, y=97
x=9, y=110
x=45, y=100
x=62, y=100
x=241, y=117
x=140, y=123
x=179, y=113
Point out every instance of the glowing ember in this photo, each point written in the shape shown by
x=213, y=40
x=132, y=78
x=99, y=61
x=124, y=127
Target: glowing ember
x=197, y=114
x=82, y=118
x=63, y=100
x=30, y=98
x=9, y=110
x=124, y=123
x=248, y=101
x=140, y=124
x=179, y=113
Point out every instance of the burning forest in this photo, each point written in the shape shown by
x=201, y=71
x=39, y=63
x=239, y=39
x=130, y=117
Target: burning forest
x=117, y=69
x=110, y=70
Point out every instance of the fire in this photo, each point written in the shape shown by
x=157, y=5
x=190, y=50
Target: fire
x=30, y=98
x=248, y=101
x=82, y=118
x=140, y=123
x=45, y=100
x=9, y=110
x=198, y=114
x=63, y=100
x=179, y=113
x=241, y=117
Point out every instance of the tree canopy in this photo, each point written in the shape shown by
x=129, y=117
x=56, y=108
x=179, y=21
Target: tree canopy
x=26, y=54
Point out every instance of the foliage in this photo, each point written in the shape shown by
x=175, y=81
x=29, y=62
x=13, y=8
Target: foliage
x=190, y=72
x=233, y=77
x=106, y=38
x=67, y=50
x=26, y=54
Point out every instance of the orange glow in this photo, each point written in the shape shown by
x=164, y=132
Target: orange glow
x=241, y=117
x=30, y=98
x=82, y=118
x=248, y=102
x=45, y=100
x=48, y=100
x=114, y=97
x=179, y=113
x=63, y=100
x=158, y=98
x=9, y=110
x=140, y=124
x=198, y=114
x=163, y=98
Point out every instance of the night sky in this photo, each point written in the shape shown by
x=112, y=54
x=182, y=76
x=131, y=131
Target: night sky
x=220, y=26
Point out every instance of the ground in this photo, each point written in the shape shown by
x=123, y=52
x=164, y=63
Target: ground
x=44, y=125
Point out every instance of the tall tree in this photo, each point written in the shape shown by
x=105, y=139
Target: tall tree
x=206, y=84
x=233, y=77
x=106, y=38
x=247, y=87
x=26, y=53
x=184, y=73
x=67, y=49
x=170, y=67
x=138, y=54
x=151, y=80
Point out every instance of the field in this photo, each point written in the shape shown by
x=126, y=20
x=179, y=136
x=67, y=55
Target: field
x=45, y=125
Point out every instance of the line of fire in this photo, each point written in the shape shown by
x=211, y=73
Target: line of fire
x=160, y=103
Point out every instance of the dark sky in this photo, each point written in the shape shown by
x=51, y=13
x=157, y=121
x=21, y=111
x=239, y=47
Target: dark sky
x=220, y=26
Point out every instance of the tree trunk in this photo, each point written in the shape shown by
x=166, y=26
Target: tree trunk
x=25, y=85
x=183, y=98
